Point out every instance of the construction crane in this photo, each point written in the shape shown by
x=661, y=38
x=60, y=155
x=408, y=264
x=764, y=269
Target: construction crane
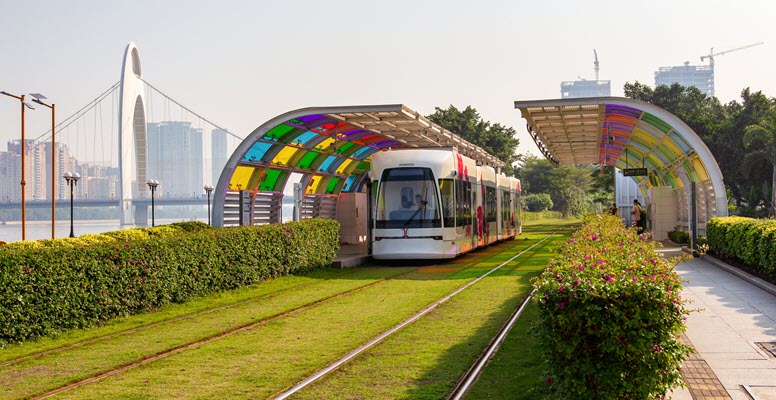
x=596, y=65
x=711, y=54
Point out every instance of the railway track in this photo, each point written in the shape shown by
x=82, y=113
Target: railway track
x=350, y=356
x=475, y=258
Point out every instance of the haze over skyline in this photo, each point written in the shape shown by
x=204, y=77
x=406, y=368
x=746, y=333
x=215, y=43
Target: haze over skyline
x=241, y=63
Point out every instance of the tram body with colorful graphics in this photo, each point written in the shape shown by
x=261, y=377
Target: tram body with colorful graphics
x=434, y=203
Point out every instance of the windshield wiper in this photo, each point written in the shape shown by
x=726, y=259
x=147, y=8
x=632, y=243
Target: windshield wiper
x=421, y=207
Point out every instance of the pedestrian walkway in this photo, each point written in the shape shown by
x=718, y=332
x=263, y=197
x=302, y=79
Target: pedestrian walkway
x=731, y=330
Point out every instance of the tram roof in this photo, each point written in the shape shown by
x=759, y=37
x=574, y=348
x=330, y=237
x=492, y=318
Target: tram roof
x=622, y=132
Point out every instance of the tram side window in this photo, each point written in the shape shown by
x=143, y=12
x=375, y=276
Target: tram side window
x=446, y=192
x=490, y=194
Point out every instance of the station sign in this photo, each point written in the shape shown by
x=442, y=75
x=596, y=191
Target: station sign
x=634, y=172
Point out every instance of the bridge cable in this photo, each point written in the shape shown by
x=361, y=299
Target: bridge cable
x=69, y=120
x=189, y=110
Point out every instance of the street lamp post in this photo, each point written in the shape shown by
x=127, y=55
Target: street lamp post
x=152, y=184
x=24, y=216
x=71, y=179
x=208, y=189
x=37, y=99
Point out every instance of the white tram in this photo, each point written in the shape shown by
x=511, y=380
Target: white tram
x=435, y=203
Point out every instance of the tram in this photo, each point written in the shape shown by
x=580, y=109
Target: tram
x=434, y=203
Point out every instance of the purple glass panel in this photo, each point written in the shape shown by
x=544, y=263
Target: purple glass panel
x=617, y=126
x=386, y=143
x=623, y=110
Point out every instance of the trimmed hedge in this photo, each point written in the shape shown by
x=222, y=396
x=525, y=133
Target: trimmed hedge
x=610, y=314
x=752, y=241
x=49, y=287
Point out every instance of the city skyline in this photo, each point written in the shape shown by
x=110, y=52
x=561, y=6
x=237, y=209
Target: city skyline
x=240, y=73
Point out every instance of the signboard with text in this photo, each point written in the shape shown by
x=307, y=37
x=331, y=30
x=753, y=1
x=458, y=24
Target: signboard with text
x=634, y=172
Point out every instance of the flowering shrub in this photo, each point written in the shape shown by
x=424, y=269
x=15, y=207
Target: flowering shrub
x=753, y=241
x=81, y=282
x=610, y=315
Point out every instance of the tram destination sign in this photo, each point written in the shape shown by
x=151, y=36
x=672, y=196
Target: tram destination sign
x=634, y=172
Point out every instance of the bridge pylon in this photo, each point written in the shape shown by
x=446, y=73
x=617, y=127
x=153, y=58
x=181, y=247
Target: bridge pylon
x=133, y=145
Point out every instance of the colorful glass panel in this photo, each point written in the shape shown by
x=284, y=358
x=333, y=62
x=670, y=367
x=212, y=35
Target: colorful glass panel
x=278, y=132
x=257, y=151
x=332, y=185
x=364, y=152
x=312, y=186
x=656, y=122
x=284, y=156
x=270, y=180
x=349, y=183
x=324, y=145
x=242, y=176
x=343, y=148
x=327, y=163
x=305, y=137
x=345, y=164
x=307, y=160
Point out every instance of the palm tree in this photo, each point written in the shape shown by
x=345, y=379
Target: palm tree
x=763, y=136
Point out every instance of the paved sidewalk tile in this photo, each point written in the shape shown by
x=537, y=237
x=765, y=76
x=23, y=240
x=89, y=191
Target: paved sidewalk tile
x=731, y=316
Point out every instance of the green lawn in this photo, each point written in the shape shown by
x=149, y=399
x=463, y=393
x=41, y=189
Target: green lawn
x=422, y=361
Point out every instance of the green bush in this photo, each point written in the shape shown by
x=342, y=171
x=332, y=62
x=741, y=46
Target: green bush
x=752, y=241
x=529, y=216
x=679, y=236
x=75, y=283
x=538, y=202
x=610, y=315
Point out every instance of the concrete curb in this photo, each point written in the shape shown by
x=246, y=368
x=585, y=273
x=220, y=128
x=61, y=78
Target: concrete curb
x=764, y=285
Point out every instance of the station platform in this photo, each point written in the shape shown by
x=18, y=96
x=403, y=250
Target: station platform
x=733, y=330
x=351, y=255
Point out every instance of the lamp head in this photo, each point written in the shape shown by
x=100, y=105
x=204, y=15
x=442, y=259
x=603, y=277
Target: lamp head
x=26, y=104
x=67, y=176
x=76, y=176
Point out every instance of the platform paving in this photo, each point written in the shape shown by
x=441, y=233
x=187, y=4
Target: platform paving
x=731, y=315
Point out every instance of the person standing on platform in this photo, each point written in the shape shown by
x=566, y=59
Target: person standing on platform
x=636, y=212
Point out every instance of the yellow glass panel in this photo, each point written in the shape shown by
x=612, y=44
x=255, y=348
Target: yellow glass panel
x=312, y=187
x=284, y=156
x=345, y=164
x=645, y=136
x=700, y=169
x=325, y=145
x=242, y=176
x=673, y=147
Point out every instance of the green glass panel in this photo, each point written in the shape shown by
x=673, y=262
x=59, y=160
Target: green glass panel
x=344, y=148
x=271, y=178
x=363, y=165
x=307, y=160
x=278, y=132
x=332, y=185
x=656, y=122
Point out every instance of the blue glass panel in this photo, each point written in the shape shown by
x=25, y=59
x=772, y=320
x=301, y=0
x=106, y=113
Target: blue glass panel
x=327, y=163
x=364, y=153
x=348, y=183
x=680, y=142
x=257, y=151
x=304, y=138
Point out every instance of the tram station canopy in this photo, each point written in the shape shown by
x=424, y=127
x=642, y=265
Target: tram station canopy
x=331, y=147
x=627, y=134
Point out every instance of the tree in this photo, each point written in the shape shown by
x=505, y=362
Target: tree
x=496, y=139
x=569, y=186
x=760, y=139
x=538, y=202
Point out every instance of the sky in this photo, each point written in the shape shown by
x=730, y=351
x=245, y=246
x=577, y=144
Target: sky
x=240, y=63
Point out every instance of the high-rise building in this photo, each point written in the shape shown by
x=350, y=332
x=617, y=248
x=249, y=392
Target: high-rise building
x=10, y=176
x=175, y=158
x=35, y=168
x=585, y=88
x=63, y=164
x=218, y=153
x=700, y=76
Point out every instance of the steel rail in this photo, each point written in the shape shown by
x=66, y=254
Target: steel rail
x=466, y=382
x=421, y=313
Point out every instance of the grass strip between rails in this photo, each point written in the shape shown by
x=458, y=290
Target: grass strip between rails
x=49, y=371
x=425, y=360
x=271, y=357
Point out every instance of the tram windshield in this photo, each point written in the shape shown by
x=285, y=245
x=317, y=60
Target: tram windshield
x=407, y=198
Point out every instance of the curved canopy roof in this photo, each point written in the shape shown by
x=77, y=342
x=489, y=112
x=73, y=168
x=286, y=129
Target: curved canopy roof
x=332, y=147
x=625, y=133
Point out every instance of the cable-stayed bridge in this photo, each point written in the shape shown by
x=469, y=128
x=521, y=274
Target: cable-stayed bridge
x=130, y=133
